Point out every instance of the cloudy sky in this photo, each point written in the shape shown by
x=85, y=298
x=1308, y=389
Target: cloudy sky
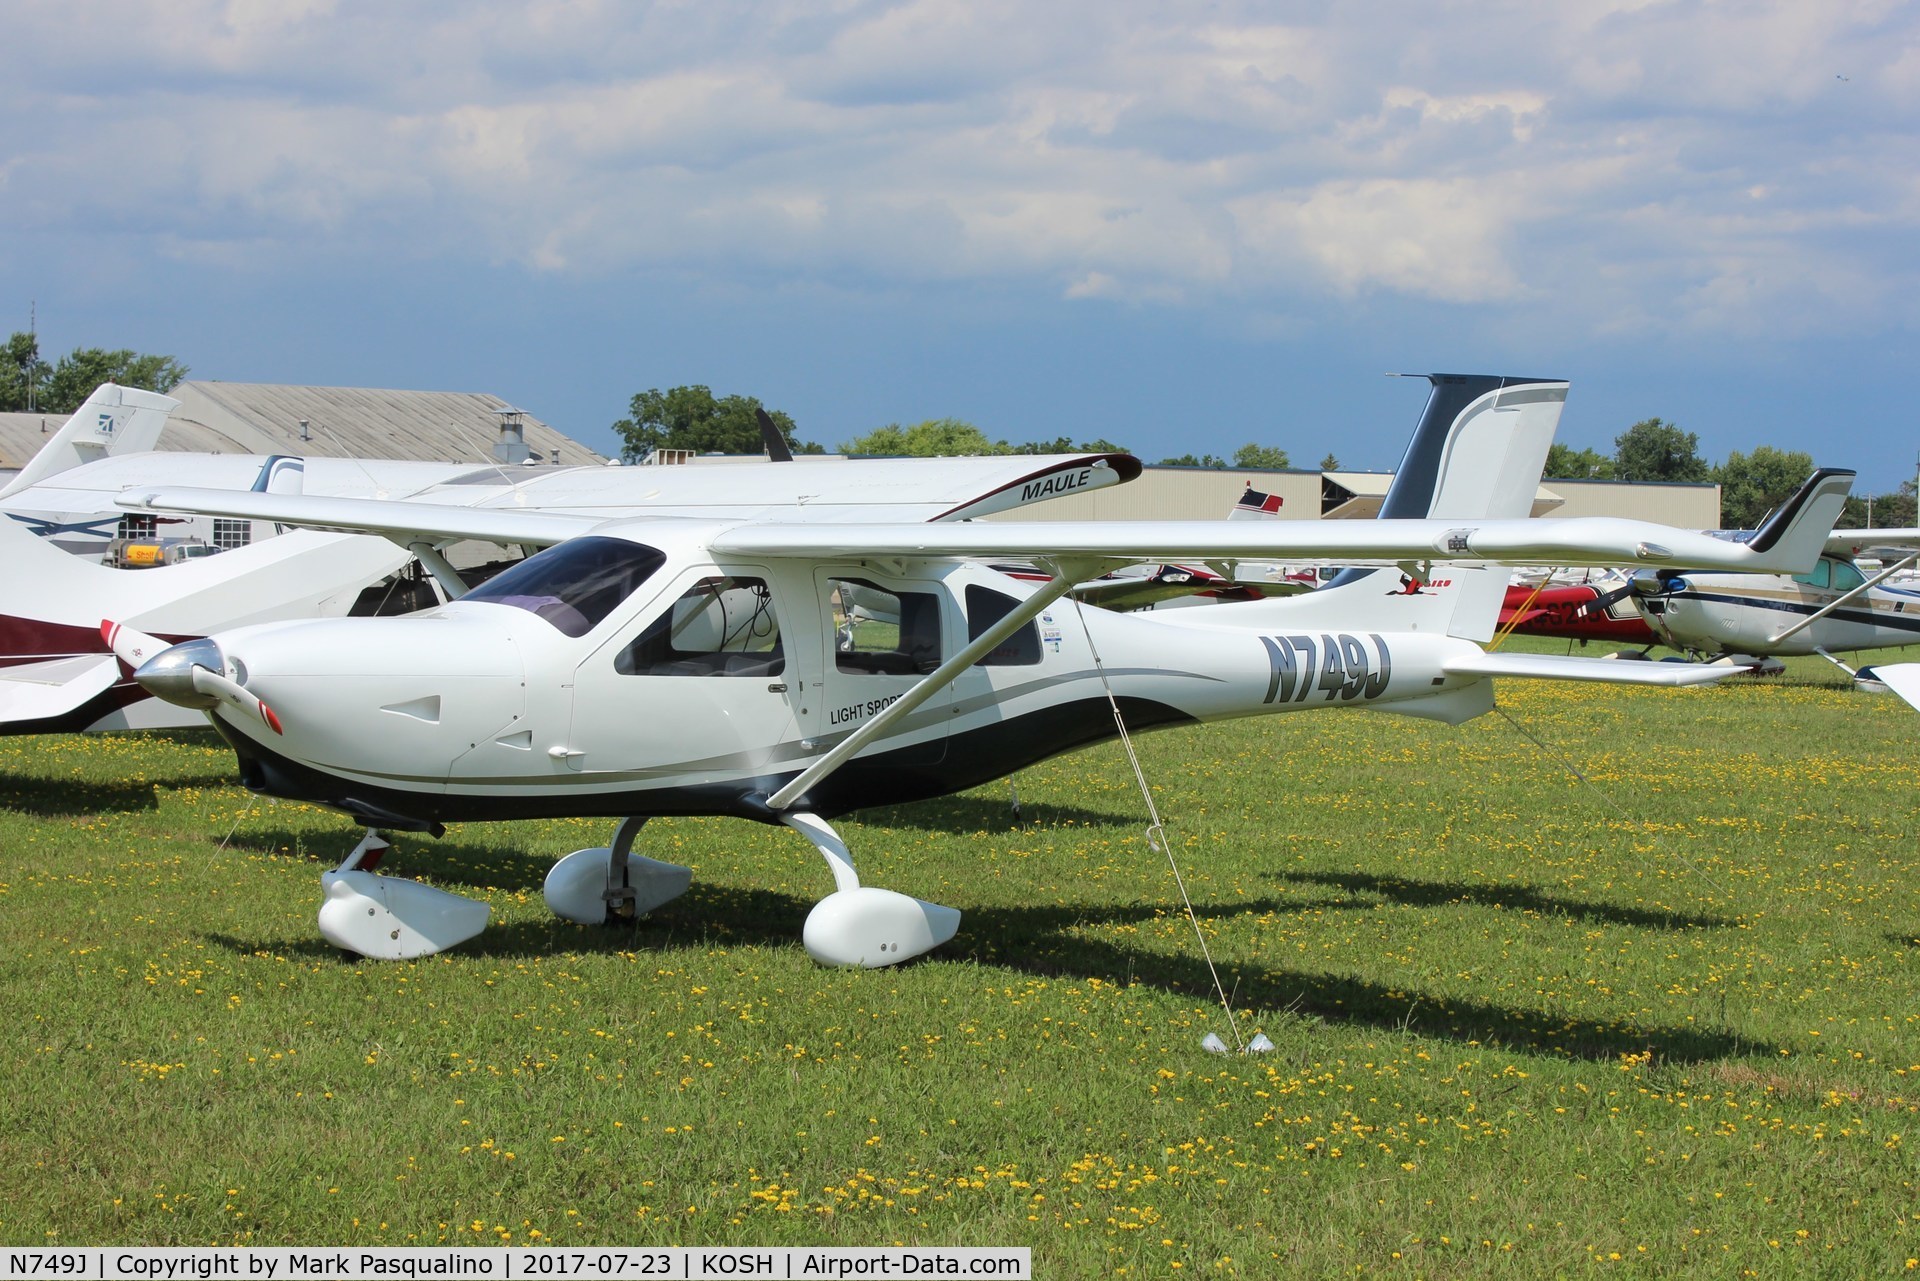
x=1182, y=227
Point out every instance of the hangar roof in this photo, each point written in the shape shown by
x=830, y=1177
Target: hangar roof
x=264, y=418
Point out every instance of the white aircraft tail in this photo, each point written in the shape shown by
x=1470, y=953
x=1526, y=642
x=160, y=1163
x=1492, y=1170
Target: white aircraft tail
x=1477, y=454
x=281, y=474
x=1796, y=532
x=114, y=420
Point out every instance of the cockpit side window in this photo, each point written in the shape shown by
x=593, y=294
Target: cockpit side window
x=721, y=626
x=1847, y=576
x=1818, y=576
x=574, y=584
x=883, y=632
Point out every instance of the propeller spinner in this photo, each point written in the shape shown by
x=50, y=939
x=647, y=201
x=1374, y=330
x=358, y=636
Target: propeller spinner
x=194, y=674
x=1645, y=584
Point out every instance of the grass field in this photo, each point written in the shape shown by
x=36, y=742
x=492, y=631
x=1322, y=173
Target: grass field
x=1524, y=1026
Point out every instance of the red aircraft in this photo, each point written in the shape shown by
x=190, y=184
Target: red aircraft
x=1568, y=611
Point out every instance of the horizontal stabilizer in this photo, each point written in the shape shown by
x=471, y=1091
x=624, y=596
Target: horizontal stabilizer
x=37, y=691
x=1560, y=667
x=1902, y=678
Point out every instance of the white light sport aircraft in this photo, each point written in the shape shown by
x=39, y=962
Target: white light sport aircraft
x=57, y=674
x=1833, y=608
x=673, y=667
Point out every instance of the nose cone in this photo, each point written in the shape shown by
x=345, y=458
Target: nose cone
x=168, y=675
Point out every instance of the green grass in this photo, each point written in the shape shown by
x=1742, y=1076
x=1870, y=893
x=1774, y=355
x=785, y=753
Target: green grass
x=1524, y=1026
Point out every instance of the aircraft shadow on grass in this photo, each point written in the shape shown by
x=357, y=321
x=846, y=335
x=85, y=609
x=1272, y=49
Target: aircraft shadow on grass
x=443, y=862
x=1519, y=898
x=77, y=797
x=1050, y=941
x=968, y=813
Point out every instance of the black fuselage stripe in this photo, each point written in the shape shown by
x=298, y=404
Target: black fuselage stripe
x=1894, y=622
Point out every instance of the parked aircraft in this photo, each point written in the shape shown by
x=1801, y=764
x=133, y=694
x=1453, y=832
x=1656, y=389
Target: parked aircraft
x=56, y=673
x=647, y=667
x=1833, y=608
x=66, y=494
x=1573, y=611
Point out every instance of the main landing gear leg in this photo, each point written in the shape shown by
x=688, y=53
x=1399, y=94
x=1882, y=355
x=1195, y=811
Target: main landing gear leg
x=610, y=884
x=1837, y=663
x=863, y=924
x=389, y=919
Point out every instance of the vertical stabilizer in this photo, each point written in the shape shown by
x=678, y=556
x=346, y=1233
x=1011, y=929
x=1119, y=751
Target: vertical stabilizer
x=114, y=420
x=1477, y=454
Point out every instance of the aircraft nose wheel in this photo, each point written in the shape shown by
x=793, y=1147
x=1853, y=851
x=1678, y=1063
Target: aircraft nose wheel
x=864, y=925
x=610, y=884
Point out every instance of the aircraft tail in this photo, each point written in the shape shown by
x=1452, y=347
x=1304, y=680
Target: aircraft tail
x=1796, y=532
x=114, y=420
x=1477, y=454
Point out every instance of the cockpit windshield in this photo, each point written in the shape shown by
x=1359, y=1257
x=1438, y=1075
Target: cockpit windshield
x=575, y=584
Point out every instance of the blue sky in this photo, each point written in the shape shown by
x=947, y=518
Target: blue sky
x=1182, y=227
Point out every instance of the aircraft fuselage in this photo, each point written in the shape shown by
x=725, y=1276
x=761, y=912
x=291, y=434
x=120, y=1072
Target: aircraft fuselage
x=710, y=685
x=1742, y=613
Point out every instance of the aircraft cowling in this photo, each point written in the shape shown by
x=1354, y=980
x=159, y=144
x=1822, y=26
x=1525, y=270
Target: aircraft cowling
x=389, y=701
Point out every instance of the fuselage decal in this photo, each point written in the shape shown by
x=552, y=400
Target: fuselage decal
x=1338, y=666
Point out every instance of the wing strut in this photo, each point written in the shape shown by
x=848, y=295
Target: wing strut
x=1832, y=605
x=1064, y=577
x=440, y=567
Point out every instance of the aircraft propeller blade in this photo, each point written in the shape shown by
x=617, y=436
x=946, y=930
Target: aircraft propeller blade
x=129, y=646
x=231, y=692
x=1644, y=584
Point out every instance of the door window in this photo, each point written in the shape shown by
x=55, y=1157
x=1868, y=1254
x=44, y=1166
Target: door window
x=721, y=626
x=882, y=632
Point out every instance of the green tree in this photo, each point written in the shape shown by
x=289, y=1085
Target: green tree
x=26, y=379
x=1566, y=463
x=1656, y=450
x=21, y=372
x=1880, y=511
x=82, y=370
x=1329, y=463
x=933, y=438
x=1252, y=457
x=691, y=418
x=1066, y=445
x=1751, y=485
x=1188, y=460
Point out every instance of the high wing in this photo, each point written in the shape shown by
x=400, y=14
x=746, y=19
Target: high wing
x=1855, y=542
x=1789, y=543
x=403, y=522
x=545, y=509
